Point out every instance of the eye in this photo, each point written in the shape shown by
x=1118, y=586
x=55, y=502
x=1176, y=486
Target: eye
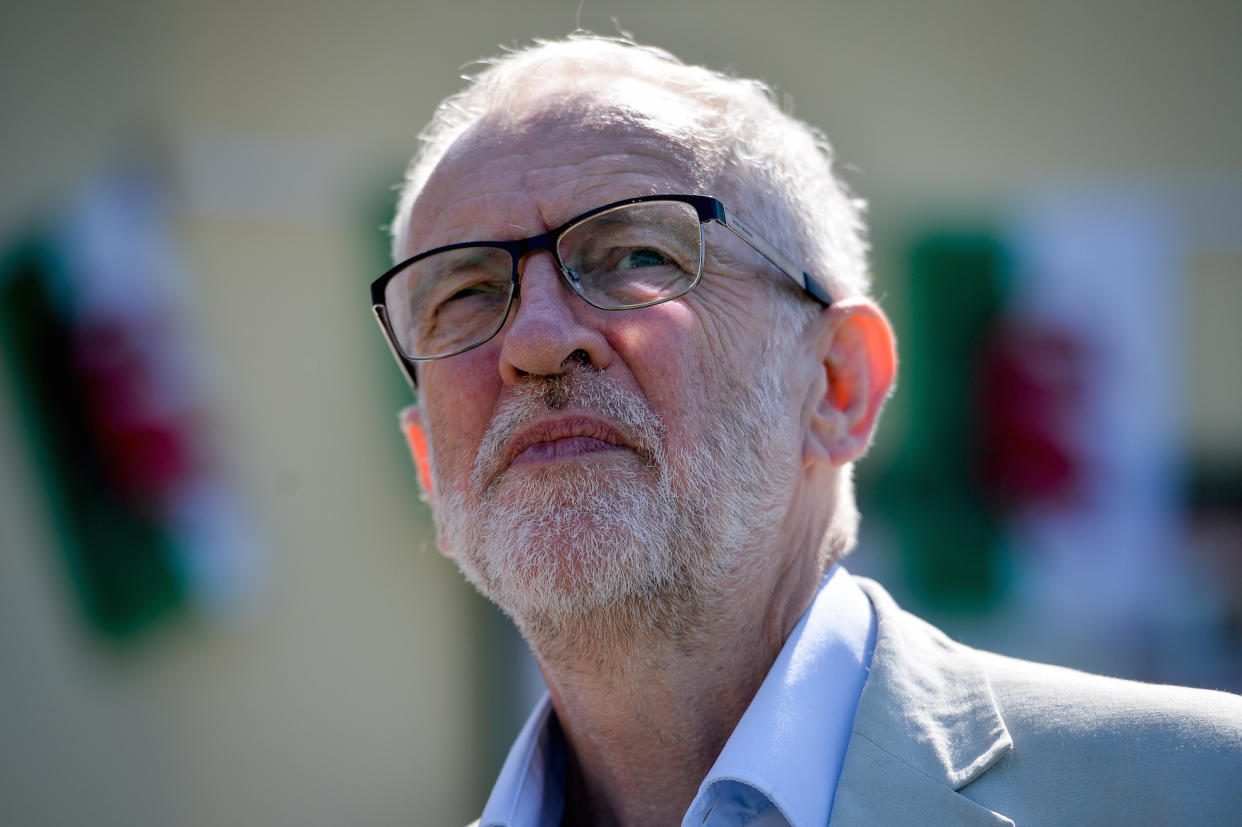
x=487, y=288
x=643, y=257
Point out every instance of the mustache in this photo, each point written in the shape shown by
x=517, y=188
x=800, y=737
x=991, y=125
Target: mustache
x=583, y=390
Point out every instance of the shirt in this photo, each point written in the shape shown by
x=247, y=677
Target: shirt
x=781, y=764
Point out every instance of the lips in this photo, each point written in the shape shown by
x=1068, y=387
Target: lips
x=564, y=438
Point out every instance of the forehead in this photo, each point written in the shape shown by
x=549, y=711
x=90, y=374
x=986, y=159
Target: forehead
x=557, y=150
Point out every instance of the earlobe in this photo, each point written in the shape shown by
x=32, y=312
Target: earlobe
x=416, y=437
x=858, y=365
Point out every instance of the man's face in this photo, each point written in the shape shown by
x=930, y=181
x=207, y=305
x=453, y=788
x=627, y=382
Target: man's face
x=585, y=459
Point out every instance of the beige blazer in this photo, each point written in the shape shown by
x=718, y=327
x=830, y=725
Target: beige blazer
x=949, y=735
x=946, y=734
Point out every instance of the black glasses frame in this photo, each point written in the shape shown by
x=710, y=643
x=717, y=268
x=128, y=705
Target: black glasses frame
x=707, y=208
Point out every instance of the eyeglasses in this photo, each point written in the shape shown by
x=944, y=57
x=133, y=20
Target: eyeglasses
x=621, y=256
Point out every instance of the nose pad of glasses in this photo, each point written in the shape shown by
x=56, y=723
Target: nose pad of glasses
x=574, y=279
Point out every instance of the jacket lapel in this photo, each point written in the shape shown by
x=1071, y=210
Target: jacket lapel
x=927, y=725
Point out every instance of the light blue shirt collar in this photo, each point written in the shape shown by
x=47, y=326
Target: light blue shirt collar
x=785, y=756
x=781, y=764
x=530, y=789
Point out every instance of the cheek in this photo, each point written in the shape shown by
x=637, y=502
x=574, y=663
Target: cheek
x=669, y=360
x=644, y=336
x=458, y=400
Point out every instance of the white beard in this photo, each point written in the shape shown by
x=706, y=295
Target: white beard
x=643, y=541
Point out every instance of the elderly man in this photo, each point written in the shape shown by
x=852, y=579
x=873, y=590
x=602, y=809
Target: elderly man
x=632, y=299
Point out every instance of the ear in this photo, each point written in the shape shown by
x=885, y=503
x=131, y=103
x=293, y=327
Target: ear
x=416, y=437
x=857, y=368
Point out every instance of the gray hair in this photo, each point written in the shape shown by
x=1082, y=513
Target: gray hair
x=780, y=169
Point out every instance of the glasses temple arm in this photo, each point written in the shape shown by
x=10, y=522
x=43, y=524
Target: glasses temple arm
x=407, y=367
x=782, y=262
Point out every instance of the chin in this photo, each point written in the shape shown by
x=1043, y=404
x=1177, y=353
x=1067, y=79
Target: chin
x=568, y=569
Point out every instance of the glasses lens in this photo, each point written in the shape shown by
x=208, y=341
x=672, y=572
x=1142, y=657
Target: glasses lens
x=634, y=255
x=449, y=301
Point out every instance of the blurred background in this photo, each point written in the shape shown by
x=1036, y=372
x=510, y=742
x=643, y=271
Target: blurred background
x=219, y=601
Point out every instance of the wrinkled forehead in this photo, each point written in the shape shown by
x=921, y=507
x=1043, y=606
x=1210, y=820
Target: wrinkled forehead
x=575, y=133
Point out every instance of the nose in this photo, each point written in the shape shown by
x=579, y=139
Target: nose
x=549, y=331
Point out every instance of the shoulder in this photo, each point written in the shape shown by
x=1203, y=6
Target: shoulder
x=1038, y=697
x=1080, y=744
x=1150, y=753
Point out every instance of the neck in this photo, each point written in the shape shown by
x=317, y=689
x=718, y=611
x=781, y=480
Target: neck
x=647, y=694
